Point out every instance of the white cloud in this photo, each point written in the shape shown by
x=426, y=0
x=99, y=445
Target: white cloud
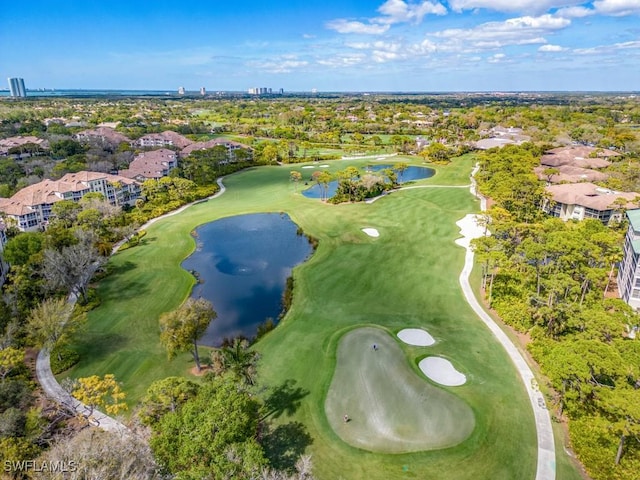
x=551, y=48
x=343, y=60
x=497, y=58
x=284, y=64
x=617, y=8
x=393, y=11
x=608, y=49
x=344, y=26
x=397, y=11
x=514, y=31
x=575, y=12
x=525, y=6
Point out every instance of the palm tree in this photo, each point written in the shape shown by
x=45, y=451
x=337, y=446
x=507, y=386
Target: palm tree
x=237, y=359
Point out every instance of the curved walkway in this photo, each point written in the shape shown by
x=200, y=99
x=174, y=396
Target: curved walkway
x=47, y=380
x=546, y=466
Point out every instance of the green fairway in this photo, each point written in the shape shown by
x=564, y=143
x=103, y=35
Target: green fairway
x=390, y=408
x=407, y=277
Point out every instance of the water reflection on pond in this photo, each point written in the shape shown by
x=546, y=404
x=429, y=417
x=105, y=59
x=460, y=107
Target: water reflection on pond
x=410, y=173
x=243, y=263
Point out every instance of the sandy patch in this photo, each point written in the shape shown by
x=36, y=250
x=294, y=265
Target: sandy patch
x=441, y=370
x=324, y=166
x=470, y=229
x=309, y=166
x=416, y=336
x=372, y=232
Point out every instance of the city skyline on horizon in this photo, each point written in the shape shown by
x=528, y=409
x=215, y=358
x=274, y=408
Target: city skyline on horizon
x=370, y=46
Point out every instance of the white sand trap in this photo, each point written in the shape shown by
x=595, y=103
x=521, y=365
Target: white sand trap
x=324, y=166
x=416, y=336
x=470, y=229
x=372, y=232
x=441, y=370
x=309, y=166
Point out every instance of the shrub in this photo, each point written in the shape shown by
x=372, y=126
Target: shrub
x=63, y=358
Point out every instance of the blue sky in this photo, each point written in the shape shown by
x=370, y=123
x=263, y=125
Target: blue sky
x=330, y=45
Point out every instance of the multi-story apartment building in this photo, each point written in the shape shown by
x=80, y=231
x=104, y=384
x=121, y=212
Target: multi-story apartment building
x=629, y=269
x=30, y=208
x=16, y=87
x=578, y=201
x=151, y=165
x=164, y=139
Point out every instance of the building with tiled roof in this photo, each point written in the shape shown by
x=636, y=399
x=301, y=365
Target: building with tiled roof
x=30, y=207
x=102, y=134
x=230, y=145
x=151, y=165
x=570, y=174
x=578, y=156
x=8, y=143
x=164, y=139
x=578, y=201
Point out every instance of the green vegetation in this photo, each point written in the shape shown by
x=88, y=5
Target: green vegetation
x=351, y=280
x=551, y=279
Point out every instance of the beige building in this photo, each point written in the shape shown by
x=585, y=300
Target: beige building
x=102, y=134
x=30, y=208
x=579, y=201
x=230, y=145
x=164, y=139
x=151, y=165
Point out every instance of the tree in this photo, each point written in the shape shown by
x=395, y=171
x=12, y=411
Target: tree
x=51, y=323
x=400, y=167
x=72, y=267
x=164, y=396
x=237, y=359
x=10, y=360
x=181, y=329
x=100, y=392
x=94, y=453
x=295, y=177
x=213, y=435
x=23, y=247
x=437, y=152
x=66, y=148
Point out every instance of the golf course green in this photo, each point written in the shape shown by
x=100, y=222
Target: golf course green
x=406, y=277
x=389, y=408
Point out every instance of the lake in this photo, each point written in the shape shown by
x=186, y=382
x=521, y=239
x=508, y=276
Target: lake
x=242, y=264
x=411, y=173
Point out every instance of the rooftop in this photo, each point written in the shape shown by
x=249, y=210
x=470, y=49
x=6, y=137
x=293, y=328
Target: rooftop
x=578, y=156
x=591, y=196
x=634, y=219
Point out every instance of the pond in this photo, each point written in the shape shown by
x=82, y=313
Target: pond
x=411, y=173
x=242, y=264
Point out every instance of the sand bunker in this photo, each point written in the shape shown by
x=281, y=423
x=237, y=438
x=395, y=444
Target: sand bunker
x=372, y=232
x=309, y=166
x=324, y=166
x=441, y=370
x=416, y=336
x=470, y=228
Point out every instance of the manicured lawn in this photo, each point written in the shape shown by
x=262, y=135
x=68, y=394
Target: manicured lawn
x=408, y=277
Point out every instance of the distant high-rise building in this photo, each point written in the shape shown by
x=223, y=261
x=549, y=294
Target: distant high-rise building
x=16, y=86
x=203, y=91
x=180, y=90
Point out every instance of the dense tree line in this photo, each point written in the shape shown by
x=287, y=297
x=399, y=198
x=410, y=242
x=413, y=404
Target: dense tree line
x=552, y=280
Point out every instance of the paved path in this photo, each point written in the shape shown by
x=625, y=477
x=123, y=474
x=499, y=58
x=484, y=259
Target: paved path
x=546, y=466
x=50, y=385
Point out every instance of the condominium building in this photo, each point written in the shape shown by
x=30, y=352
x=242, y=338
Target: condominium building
x=578, y=201
x=165, y=139
x=629, y=270
x=151, y=165
x=16, y=87
x=30, y=208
